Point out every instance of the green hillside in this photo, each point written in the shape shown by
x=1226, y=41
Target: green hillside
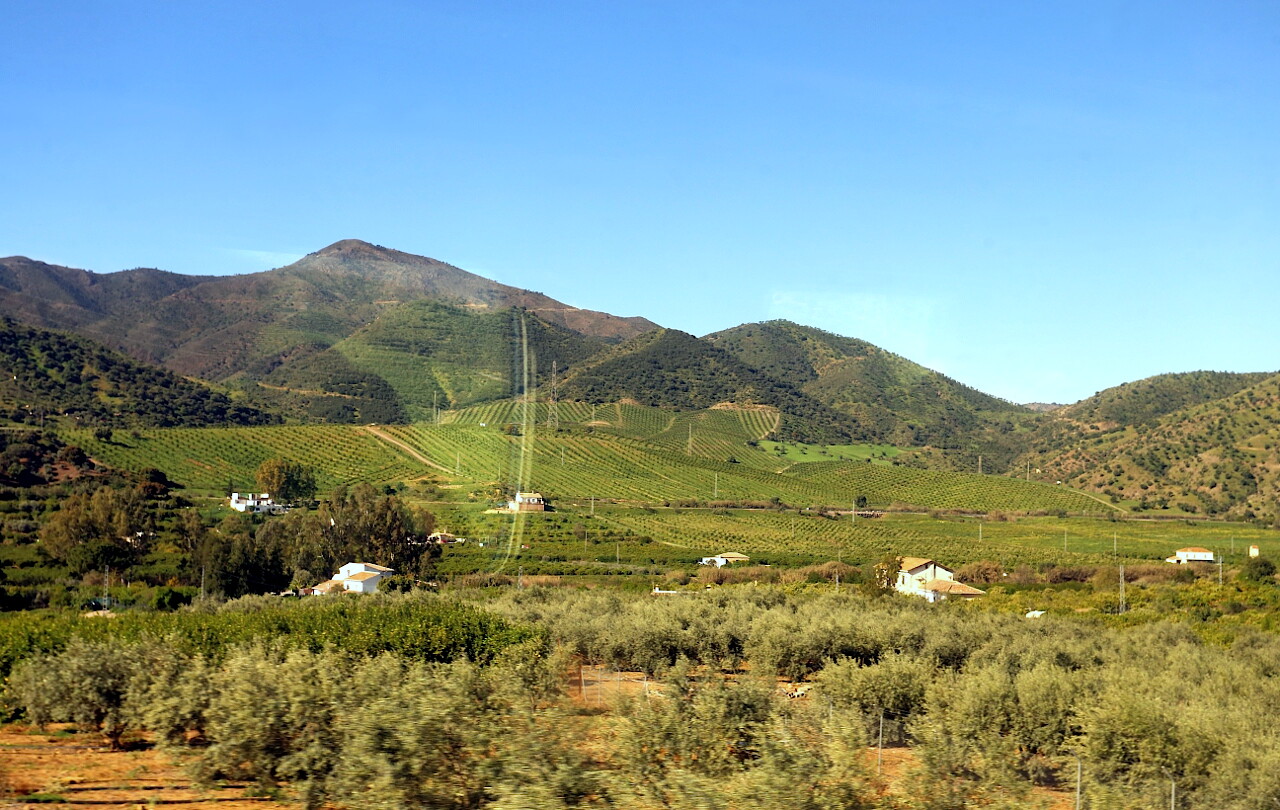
x=890, y=398
x=699, y=457
x=1220, y=457
x=673, y=369
x=425, y=356
x=55, y=374
x=1145, y=401
x=247, y=327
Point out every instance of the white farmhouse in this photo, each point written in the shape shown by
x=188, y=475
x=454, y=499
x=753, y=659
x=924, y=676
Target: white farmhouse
x=255, y=503
x=721, y=560
x=931, y=580
x=528, y=502
x=354, y=577
x=1190, y=554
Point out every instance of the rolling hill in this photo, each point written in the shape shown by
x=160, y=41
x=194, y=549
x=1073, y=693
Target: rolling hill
x=890, y=398
x=425, y=356
x=359, y=333
x=249, y=325
x=52, y=373
x=674, y=369
x=1217, y=455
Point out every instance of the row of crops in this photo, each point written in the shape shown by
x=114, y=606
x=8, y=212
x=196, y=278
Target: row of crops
x=654, y=540
x=884, y=484
x=571, y=464
x=210, y=458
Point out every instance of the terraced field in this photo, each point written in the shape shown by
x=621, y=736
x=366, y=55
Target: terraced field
x=210, y=458
x=887, y=485
x=666, y=458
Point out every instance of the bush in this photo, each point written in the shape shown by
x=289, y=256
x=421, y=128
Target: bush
x=1258, y=570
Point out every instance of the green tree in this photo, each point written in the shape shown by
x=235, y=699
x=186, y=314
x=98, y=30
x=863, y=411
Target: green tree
x=1258, y=570
x=286, y=481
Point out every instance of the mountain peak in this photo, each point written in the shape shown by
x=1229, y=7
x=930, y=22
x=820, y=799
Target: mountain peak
x=357, y=247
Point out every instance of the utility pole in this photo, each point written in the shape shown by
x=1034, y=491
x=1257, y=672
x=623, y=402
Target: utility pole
x=979, y=464
x=1219, y=568
x=715, y=492
x=1122, y=604
x=553, y=416
x=880, y=746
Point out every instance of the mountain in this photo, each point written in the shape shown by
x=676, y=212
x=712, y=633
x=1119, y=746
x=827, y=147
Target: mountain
x=669, y=368
x=51, y=373
x=891, y=399
x=1219, y=454
x=319, y=333
x=1145, y=401
x=216, y=327
x=425, y=355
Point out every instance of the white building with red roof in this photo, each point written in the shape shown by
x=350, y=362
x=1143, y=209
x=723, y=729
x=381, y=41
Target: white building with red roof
x=1191, y=554
x=354, y=577
x=931, y=580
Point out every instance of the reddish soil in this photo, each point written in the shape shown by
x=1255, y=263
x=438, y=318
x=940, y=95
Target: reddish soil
x=83, y=772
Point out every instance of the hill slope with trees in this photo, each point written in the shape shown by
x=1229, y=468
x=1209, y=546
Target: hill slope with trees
x=51, y=373
x=248, y=325
x=892, y=399
x=674, y=369
x=1219, y=456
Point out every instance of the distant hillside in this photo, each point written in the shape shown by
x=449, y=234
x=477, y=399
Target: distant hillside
x=247, y=326
x=1219, y=456
x=891, y=398
x=50, y=373
x=1145, y=401
x=425, y=355
x=673, y=369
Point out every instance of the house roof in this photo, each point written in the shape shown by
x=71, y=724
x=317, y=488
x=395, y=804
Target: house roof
x=950, y=586
x=732, y=555
x=327, y=586
x=365, y=575
x=380, y=568
x=912, y=563
x=1194, y=549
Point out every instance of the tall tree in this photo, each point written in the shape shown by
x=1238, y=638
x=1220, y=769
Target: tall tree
x=285, y=480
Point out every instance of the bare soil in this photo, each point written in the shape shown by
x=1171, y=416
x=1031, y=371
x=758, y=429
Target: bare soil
x=78, y=770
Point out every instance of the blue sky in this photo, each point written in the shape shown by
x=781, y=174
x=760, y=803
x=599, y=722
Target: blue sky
x=1038, y=199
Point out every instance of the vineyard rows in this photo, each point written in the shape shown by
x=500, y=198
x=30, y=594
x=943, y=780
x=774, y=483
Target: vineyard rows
x=883, y=484
x=209, y=458
x=571, y=465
